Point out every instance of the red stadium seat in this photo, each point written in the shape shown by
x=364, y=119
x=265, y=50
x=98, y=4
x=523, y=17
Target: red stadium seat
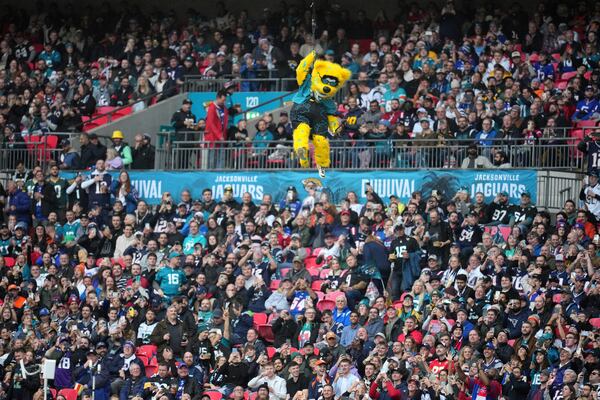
x=69, y=394
x=147, y=350
x=511, y=342
x=587, y=75
x=595, y=322
x=271, y=351
x=275, y=284
x=311, y=262
x=324, y=272
x=151, y=370
x=556, y=57
x=562, y=85
x=99, y=119
x=314, y=272
x=53, y=393
x=51, y=142
x=143, y=359
x=259, y=319
x=122, y=113
x=333, y=295
x=214, y=395
x=325, y=304
x=316, y=285
x=104, y=110
x=577, y=134
x=265, y=331
x=9, y=261
x=587, y=124
x=568, y=75
x=89, y=126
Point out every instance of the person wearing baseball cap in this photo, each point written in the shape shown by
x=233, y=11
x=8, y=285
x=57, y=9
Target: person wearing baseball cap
x=587, y=106
x=91, y=375
x=523, y=214
x=498, y=211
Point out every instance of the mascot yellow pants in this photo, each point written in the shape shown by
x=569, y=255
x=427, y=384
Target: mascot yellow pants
x=301, y=139
x=310, y=121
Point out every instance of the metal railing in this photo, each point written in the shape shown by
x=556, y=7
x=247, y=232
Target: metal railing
x=554, y=153
x=545, y=153
x=556, y=187
x=36, y=150
x=197, y=83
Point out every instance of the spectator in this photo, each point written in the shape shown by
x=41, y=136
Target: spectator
x=69, y=158
x=113, y=160
x=474, y=160
x=215, y=257
x=122, y=148
x=44, y=196
x=98, y=186
x=274, y=384
x=216, y=125
x=184, y=119
x=262, y=137
x=88, y=152
x=19, y=204
x=587, y=107
x=123, y=95
x=143, y=152
x=165, y=86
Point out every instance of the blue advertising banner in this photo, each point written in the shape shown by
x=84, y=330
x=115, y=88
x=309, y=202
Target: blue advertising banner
x=151, y=185
x=201, y=100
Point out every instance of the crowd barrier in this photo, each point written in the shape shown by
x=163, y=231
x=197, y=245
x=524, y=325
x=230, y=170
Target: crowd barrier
x=546, y=153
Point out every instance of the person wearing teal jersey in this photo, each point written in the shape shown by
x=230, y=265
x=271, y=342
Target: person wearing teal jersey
x=71, y=230
x=192, y=238
x=394, y=91
x=4, y=239
x=169, y=279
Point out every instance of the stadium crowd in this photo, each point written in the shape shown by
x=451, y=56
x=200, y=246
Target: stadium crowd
x=441, y=297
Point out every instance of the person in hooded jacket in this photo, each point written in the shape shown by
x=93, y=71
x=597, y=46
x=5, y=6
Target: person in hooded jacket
x=91, y=240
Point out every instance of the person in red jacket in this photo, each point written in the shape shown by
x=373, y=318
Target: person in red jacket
x=217, y=118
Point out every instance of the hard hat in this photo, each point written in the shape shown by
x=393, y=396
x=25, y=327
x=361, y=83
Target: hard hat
x=117, y=135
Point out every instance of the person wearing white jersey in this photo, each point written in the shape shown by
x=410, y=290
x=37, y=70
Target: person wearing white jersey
x=590, y=194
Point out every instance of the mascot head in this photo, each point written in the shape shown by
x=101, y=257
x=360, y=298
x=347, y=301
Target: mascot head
x=327, y=79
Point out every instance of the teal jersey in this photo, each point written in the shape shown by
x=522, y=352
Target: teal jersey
x=170, y=280
x=4, y=245
x=190, y=241
x=60, y=188
x=304, y=94
x=389, y=95
x=69, y=231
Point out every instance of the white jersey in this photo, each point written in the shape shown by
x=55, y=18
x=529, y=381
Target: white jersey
x=145, y=330
x=591, y=202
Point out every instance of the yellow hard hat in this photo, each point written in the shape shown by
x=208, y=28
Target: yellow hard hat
x=117, y=135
